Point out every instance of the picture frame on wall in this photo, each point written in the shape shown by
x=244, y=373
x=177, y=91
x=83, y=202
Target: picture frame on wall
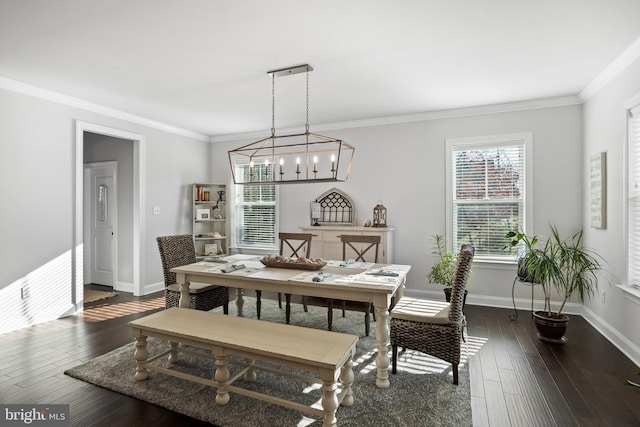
x=598, y=190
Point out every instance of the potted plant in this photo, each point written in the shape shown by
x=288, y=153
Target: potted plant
x=443, y=271
x=563, y=265
x=529, y=243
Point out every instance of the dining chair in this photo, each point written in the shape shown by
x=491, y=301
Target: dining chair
x=433, y=327
x=179, y=250
x=296, y=245
x=358, y=248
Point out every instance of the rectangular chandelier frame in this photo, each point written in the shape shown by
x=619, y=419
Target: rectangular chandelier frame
x=294, y=158
x=290, y=159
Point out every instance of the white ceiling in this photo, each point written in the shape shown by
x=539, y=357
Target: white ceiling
x=201, y=65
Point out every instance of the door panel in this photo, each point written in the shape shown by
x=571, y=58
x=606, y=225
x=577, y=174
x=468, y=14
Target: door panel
x=102, y=218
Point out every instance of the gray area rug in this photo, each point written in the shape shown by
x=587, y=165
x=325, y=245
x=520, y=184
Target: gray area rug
x=421, y=394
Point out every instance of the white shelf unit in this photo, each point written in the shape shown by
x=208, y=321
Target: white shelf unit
x=210, y=219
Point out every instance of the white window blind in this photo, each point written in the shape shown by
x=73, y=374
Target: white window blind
x=633, y=204
x=487, y=193
x=255, y=211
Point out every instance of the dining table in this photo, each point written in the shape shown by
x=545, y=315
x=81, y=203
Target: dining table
x=367, y=282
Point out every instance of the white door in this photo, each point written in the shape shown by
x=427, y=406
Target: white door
x=100, y=242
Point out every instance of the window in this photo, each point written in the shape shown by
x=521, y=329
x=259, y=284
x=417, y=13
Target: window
x=255, y=216
x=633, y=201
x=487, y=194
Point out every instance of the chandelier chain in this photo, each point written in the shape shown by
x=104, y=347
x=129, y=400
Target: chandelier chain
x=306, y=125
x=273, y=105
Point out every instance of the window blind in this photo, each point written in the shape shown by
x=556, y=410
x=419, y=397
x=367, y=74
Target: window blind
x=255, y=211
x=633, y=204
x=488, y=195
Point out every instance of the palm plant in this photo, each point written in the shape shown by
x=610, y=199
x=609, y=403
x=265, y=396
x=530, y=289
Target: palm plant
x=541, y=267
x=576, y=267
x=560, y=264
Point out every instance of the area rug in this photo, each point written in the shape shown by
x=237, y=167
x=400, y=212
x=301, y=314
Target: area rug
x=421, y=393
x=91, y=295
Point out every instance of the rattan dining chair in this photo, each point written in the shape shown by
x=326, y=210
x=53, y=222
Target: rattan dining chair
x=179, y=250
x=358, y=248
x=433, y=327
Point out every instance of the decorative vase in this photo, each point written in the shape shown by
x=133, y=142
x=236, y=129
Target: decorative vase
x=551, y=329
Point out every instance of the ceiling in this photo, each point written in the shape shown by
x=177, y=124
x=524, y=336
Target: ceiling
x=201, y=65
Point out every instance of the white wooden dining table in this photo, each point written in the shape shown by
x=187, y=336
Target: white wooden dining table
x=366, y=282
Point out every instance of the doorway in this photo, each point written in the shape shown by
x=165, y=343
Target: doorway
x=134, y=284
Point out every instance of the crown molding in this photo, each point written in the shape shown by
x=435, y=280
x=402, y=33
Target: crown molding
x=16, y=86
x=416, y=117
x=614, y=69
x=59, y=98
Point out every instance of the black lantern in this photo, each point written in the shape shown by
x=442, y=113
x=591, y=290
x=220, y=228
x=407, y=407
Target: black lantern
x=379, y=215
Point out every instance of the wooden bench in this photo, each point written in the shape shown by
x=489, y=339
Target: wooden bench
x=327, y=355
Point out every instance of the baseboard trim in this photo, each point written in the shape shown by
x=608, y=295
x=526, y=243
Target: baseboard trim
x=628, y=348
x=123, y=287
x=153, y=287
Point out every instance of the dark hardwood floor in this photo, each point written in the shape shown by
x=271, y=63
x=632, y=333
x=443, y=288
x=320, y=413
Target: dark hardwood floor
x=516, y=380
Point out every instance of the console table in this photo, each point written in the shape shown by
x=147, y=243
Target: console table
x=326, y=242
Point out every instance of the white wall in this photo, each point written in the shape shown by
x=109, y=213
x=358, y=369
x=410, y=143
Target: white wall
x=37, y=173
x=173, y=164
x=404, y=166
x=604, y=129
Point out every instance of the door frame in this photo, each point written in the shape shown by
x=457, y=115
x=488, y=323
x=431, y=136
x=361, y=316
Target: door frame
x=77, y=261
x=88, y=167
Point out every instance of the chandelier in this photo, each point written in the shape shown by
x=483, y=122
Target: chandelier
x=295, y=158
